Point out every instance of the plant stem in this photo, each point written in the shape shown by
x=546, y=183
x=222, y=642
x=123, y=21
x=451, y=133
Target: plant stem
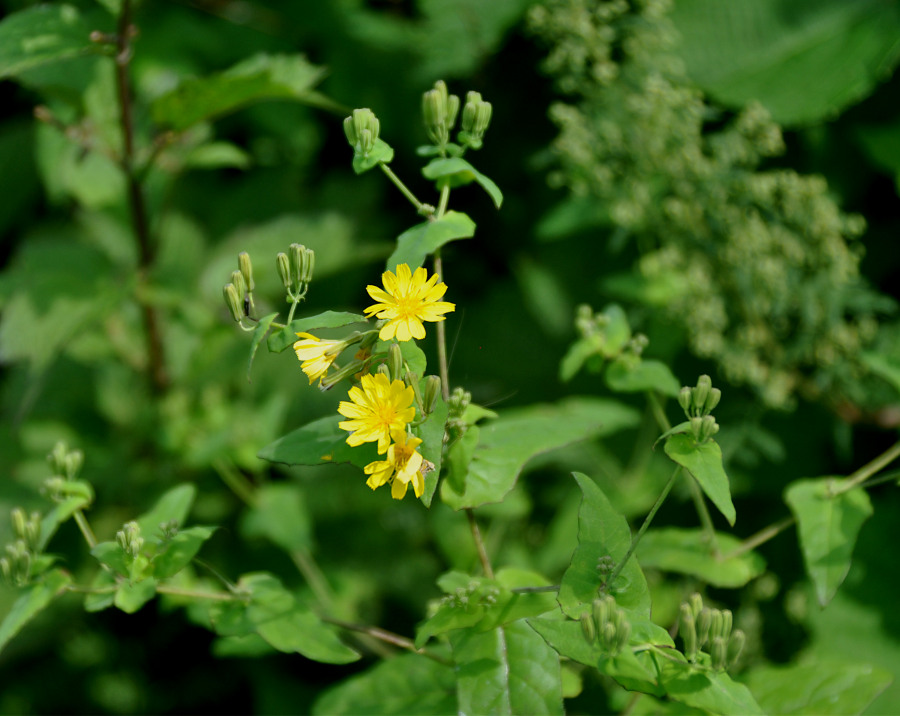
x=443, y=365
x=387, y=636
x=85, y=528
x=479, y=544
x=869, y=469
x=703, y=514
x=647, y=520
x=307, y=566
x=140, y=225
x=192, y=594
x=658, y=412
x=442, y=203
x=402, y=187
x=238, y=484
x=761, y=537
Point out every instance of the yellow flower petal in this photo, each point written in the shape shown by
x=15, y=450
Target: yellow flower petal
x=406, y=301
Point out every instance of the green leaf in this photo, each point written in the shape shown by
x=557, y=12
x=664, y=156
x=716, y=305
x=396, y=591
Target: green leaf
x=217, y=155
x=60, y=513
x=626, y=376
x=329, y=319
x=828, y=525
x=279, y=514
x=704, y=462
x=32, y=600
x=100, y=600
x=818, y=688
x=317, y=443
x=712, y=692
x=686, y=551
x=261, y=77
x=508, y=670
x=884, y=366
x=131, y=596
x=173, y=506
x=113, y=556
x=767, y=50
x=459, y=456
x=456, y=171
x=602, y=532
x=518, y=435
x=576, y=356
x=381, y=153
x=176, y=553
x=415, y=244
x=243, y=647
x=258, y=334
x=432, y=448
x=405, y=684
x=41, y=34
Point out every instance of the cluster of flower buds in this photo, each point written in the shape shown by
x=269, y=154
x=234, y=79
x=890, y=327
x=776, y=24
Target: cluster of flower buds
x=701, y=625
x=130, y=540
x=15, y=566
x=698, y=402
x=476, y=118
x=362, y=128
x=605, y=566
x=65, y=462
x=439, y=109
x=473, y=594
x=66, y=465
x=606, y=625
x=239, y=293
x=295, y=270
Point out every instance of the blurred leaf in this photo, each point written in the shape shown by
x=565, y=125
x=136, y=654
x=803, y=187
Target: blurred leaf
x=105, y=584
x=405, y=684
x=280, y=340
x=319, y=442
x=767, y=50
x=32, y=600
x=828, y=526
x=41, y=34
x=686, y=551
x=279, y=514
x=456, y=171
x=61, y=512
x=173, y=506
x=432, y=448
x=459, y=456
x=508, y=670
x=177, y=552
x=518, y=435
x=644, y=375
x=704, y=462
x=545, y=296
x=576, y=356
x=884, y=366
x=602, y=532
x=570, y=216
x=242, y=647
x=258, y=334
x=217, y=155
x=381, y=153
x=131, y=596
x=261, y=77
x=113, y=556
x=819, y=688
x=713, y=692
x=415, y=244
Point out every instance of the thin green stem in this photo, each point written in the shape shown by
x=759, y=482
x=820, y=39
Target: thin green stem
x=388, y=637
x=307, y=566
x=232, y=477
x=658, y=412
x=703, y=514
x=193, y=594
x=85, y=528
x=870, y=469
x=420, y=207
x=291, y=312
x=761, y=537
x=443, y=363
x=442, y=203
x=647, y=520
x=479, y=544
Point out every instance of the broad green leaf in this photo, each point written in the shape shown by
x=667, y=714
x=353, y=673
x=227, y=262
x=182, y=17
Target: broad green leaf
x=459, y=456
x=767, y=50
x=508, y=442
x=818, y=689
x=685, y=551
x=329, y=319
x=60, y=513
x=131, y=596
x=243, y=647
x=113, y=556
x=602, y=532
x=432, y=448
x=177, y=552
x=508, y=670
x=456, y=171
x=828, y=526
x=105, y=584
x=317, y=443
x=644, y=375
x=258, y=334
x=415, y=244
x=704, y=462
x=712, y=692
x=405, y=684
x=261, y=77
x=41, y=34
x=32, y=600
x=381, y=153
x=279, y=513
x=173, y=506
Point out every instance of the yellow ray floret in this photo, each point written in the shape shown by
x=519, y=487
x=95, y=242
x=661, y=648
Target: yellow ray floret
x=376, y=408
x=314, y=354
x=402, y=467
x=406, y=300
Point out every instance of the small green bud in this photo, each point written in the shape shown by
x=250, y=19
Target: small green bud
x=696, y=602
x=684, y=400
x=54, y=487
x=298, y=263
x=6, y=570
x=432, y=393
x=237, y=280
x=687, y=628
x=19, y=522
x=395, y=362
x=708, y=428
x=382, y=369
x=283, y=264
x=735, y=646
x=717, y=627
x=459, y=401
x=608, y=638
x=412, y=380
x=700, y=394
x=309, y=265
x=587, y=628
x=601, y=610
x=452, y=111
x=696, y=428
x=350, y=131
x=33, y=531
x=727, y=623
x=233, y=301
x=718, y=652
x=57, y=458
x=74, y=461
x=246, y=268
x=623, y=631
x=715, y=395
x=704, y=623
x=473, y=99
x=362, y=129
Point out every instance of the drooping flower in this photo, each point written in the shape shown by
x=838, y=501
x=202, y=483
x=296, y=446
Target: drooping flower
x=316, y=355
x=402, y=467
x=406, y=300
x=378, y=407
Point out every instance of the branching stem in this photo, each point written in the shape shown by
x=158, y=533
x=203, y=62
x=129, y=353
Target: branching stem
x=388, y=637
x=420, y=207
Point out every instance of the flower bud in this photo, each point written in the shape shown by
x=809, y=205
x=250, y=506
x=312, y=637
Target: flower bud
x=601, y=610
x=6, y=570
x=33, y=531
x=233, y=301
x=309, y=265
x=57, y=458
x=237, y=280
x=718, y=652
x=412, y=380
x=395, y=362
x=475, y=120
x=298, y=263
x=587, y=628
x=459, y=401
x=283, y=264
x=704, y=623
x=17, y=517
x=715, y=395
x=74, y=461
x=608, y=637
x=735, y=646
x=700, y=394
x=362, y=128
x=623, y=631
x=684, y=400
x=687, y=628
x=432, y=393
x=452, y=111
x=696, y=602
x=246, y=268
x=382, y=369
x=696, y=428
x=473, y=99
x=717, y=627
x=708, y=428
x=727, y=622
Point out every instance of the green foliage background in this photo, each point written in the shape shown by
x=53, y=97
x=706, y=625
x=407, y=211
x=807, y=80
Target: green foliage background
x=811, y=378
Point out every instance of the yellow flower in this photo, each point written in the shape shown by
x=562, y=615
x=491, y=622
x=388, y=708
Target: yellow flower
x=377, y=408
x=402, y=467
x=406, y=300
x=314, y=354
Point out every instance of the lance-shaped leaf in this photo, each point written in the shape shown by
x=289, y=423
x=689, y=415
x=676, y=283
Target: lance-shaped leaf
x=261, y=77
x=456, y=171
x=41, y=34
x=287, y=336
x=32, y=600
x=511, y=440
x=258, y=334
x=318, y=443
x=603, y=533
x=828, y=524
x=712, y=692
x=415, y=244
x=685, y=551
x=704, y=462
x=507, y=670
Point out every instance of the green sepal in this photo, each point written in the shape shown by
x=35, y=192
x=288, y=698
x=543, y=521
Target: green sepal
x=456, y=171
x=381, y=153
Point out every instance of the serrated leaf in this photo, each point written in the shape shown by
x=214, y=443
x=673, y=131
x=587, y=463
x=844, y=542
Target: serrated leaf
x=818, y=689
x=713, y=692
x=686, y=551
x=173, y=506
x=828, y=526
x=329, y=319
x=32, y=600
x=131, y=596
x=280, y=515
x=258, y=334
x=508, y=442
x=318, y=443
x=177, y=552
x=602, y=532
x=456, y=171
x=41, y=34
x=644, y=375
x=261, y=77
x=381, y=153
x=704, y=462
x=415, y=244
x=508, y=670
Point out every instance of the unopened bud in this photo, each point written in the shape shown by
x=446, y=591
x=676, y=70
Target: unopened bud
x=237, y=280
x=6, y=570
x=688, y=630
x=717, y=627
x=395, y=362
x=74, y=461
x=735, y=646
x=623, y=631
x=715, y=395
x=700, y=394
x=298, y=262
x=704, y=623
x=608, y=637
x=432, y=393
x=696, y=428
x=362, y=129
x=33, y=531
x=587, y=628
x=246, y=268
x=708, y=428
x=452, y=110
x=382, y=369
x=727, y=622
x=57, y=458
x=412, y=380
x=684, y=400
x=696, y=602
x=601, y=609
x=283, y=264
x=309, y=265
x=233, y=301
x=718, y=652
x=17, y=517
